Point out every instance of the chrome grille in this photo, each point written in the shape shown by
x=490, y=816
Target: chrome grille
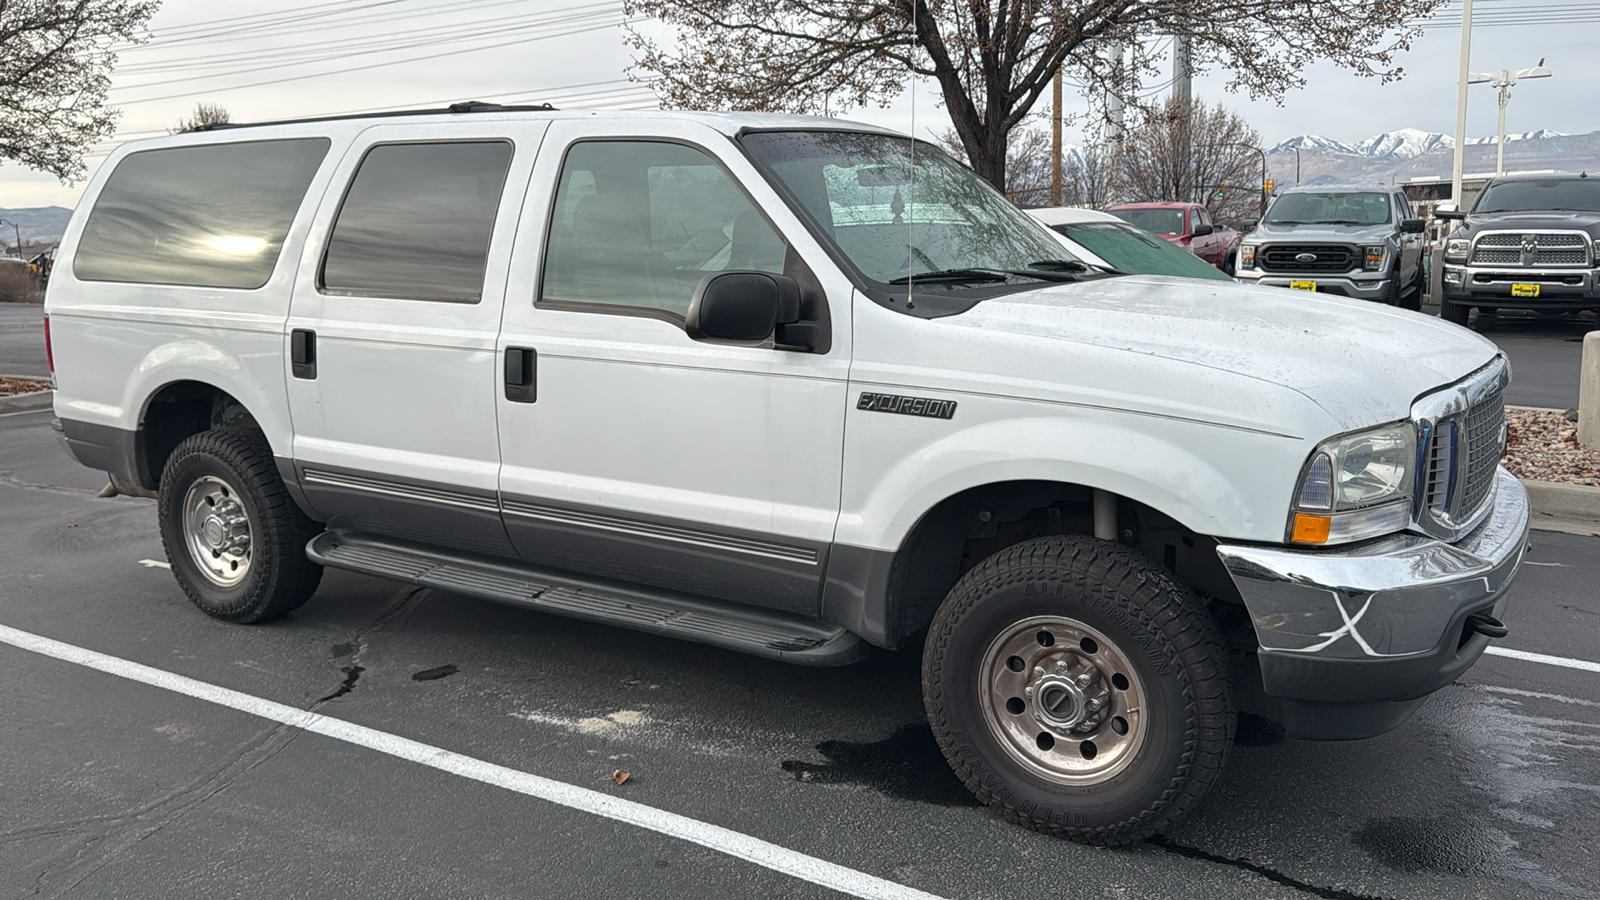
x=1326, y=258
x=1485, y=444
x=1461, y=434
x=1531, y=248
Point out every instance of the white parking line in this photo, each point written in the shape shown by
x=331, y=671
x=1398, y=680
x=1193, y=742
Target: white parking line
x=25, y=412
x=714, y=837
x=1562, y=661
x=155, y=564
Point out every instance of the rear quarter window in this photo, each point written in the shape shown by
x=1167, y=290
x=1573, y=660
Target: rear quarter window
x=214, y=215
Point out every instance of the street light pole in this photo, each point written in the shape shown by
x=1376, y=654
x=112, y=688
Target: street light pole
x=1461, y=103
x=1297, y=166
x=1504, y=80
x=18, y=229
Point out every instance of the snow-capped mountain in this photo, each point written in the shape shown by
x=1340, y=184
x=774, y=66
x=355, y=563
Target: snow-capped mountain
x=1406, y=143
x=1313, y=143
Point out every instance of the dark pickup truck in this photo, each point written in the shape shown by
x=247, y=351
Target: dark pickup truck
x=1529, y=242
x=1186, y=225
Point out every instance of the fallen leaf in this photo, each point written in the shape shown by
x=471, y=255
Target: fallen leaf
x=620, y=776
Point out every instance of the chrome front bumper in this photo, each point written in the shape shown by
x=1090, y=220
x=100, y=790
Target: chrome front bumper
x=1361, y=285
x=1353, y=639
x=1557, y=287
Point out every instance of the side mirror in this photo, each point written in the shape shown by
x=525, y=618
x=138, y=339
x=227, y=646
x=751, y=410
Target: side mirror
x=1202, y=230
x=1412, y=226
x=1449, y=214
x=742, y=306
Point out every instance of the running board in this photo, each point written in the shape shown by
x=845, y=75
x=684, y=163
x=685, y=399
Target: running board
x=776, y=635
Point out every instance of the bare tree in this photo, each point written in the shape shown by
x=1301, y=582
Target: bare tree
x=994, y=59
x=204, y=114
x=55, y=65
x=1197, y=153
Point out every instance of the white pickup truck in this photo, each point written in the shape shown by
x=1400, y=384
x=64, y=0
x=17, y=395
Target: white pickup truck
x=798, y=388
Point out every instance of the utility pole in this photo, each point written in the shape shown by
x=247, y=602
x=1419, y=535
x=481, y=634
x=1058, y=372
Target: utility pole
x=1461, y=104
x=18, y=230
x=1504, y=80
x=1114, y=125
x=1055, y=143
x=1296, y=166
x=1183, y=101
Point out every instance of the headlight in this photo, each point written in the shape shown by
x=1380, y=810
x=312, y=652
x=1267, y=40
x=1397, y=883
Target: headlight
x=1595, y=256
x=1247, y=256
x=1375, y=256
x=1455, y=249
x=1356, y=486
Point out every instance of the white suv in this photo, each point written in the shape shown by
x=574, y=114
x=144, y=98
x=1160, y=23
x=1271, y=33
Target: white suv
x=798, y=388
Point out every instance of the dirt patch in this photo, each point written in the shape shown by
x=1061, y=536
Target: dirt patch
x=1543, y=446
x=11, y=387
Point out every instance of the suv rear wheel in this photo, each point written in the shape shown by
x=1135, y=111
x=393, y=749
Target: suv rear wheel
x=235, y=539
x=1079, y=690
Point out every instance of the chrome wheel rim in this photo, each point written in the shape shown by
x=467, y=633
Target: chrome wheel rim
x=217, y=531
x=1063, y=700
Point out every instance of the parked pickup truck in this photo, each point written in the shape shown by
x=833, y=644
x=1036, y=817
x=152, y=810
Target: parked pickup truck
x=1350, y=241
x=1530, y=242
x=798, y=388
x=1188, y=225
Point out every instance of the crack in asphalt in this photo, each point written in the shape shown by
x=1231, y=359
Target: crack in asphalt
x=9, y=480
x=1266, y=872
x=124, y=830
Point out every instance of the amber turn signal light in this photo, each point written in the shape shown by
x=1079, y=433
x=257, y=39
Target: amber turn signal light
x=1311, y=529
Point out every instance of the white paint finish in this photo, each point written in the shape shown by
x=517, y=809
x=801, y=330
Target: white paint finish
x=713, y=837
x=116, y=344
x=1562, y=661
x=406, y=387
x=634, y=416
x=1035, y=407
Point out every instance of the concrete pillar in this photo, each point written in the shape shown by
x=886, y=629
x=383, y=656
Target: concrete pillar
x=1589, y=392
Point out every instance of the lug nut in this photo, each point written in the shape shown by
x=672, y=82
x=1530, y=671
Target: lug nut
x=1038, y=671
x=1084, y=679
x=1094, y=703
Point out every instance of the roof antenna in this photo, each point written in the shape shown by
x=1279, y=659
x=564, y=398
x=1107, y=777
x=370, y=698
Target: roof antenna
x=911, y=188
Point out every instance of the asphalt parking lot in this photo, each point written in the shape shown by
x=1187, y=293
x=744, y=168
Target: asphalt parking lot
x=110, y=786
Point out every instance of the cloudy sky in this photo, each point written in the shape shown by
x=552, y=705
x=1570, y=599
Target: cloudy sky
x=269, y=60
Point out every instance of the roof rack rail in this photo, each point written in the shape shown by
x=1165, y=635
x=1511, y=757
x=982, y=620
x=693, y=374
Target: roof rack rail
x=466, y=106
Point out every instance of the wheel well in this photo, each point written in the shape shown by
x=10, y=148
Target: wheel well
x=177, y=412
x=967, y=528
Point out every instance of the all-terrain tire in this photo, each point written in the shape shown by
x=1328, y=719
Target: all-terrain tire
x=1160, y=630
x=236, y=467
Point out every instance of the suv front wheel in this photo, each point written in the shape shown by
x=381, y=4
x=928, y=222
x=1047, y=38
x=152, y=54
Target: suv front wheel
x=234, y=537
x=1079, y=690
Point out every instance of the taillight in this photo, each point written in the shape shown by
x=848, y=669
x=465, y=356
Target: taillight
x=49, y=354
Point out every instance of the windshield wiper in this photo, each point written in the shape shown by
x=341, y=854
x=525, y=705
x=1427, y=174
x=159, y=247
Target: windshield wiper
x=1072, y=265
x=954, y=275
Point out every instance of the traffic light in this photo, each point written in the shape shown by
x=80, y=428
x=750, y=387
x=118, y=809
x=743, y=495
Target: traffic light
x=1268, y=185
x=1222, y=192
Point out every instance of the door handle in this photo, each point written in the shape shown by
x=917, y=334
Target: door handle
x=303, y=353
x=522, y=383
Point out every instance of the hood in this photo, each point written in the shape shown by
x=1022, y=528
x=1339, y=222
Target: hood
x=1351, y=234
x=1534, y=221
x=1361, y=363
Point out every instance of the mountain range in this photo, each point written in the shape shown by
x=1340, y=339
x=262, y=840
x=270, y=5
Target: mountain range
x=1406, y=143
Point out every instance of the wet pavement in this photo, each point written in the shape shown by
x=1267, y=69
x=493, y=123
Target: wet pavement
x=111, y=788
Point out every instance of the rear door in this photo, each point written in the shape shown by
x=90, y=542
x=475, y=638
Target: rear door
x=391, y=336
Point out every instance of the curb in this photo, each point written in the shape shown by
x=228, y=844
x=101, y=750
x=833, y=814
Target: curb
x=1564, y=501
x=28, y=402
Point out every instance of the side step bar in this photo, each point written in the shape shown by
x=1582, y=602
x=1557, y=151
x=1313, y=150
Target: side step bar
x=776, y=635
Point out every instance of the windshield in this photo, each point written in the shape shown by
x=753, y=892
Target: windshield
x=1138, y=252
x=1334, y=208
x=1567, y=194
x=894, y=219
x=1160, y=221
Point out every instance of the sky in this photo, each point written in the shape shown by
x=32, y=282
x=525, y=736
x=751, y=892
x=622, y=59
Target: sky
x=295, y=58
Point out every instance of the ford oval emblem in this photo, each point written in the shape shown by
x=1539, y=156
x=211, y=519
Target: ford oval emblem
x=1305, y=257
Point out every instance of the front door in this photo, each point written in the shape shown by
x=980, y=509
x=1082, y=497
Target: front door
x=391, y=335
x=629, y=449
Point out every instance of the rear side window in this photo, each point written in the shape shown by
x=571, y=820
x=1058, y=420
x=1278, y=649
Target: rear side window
x=207, y=216
x=416, y=221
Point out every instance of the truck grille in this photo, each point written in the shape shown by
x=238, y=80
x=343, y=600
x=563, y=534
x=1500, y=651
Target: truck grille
x=1461, y=458
x=1326, y=258
x=1531, y=248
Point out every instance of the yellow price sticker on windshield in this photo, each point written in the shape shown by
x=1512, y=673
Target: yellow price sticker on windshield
x=1524, y=290
x=1302, y=285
